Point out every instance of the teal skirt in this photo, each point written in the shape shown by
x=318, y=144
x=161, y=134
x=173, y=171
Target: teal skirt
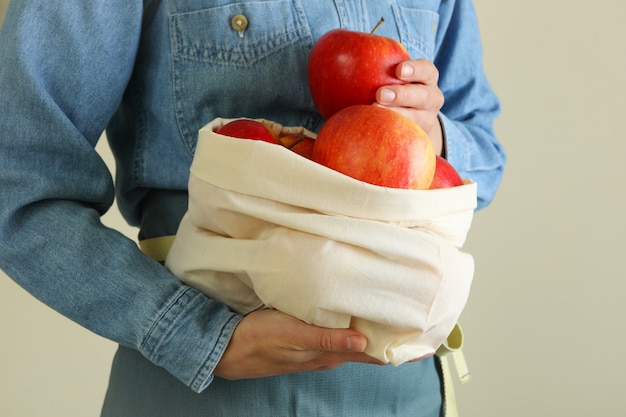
x=138, y=388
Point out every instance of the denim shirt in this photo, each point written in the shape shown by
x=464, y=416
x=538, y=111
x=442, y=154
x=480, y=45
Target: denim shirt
x=153, y=73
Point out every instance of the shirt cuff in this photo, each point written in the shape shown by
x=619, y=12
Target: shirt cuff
x=189, y=337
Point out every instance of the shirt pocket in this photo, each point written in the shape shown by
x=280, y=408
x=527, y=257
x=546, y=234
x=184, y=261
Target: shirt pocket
x=221, y=71
x=418, y=30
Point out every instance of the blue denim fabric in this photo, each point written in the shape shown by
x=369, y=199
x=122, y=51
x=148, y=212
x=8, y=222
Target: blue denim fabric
x=140, y=389
x=153, y=73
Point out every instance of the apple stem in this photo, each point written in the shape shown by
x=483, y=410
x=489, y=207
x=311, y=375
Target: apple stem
x=380, y=22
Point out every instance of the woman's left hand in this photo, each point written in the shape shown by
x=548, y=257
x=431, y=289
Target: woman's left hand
x=420, y=99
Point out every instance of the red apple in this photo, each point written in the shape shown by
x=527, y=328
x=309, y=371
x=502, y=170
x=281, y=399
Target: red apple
x=247, y=129
x=378, y=146
x=300, y=144
x=347, y=67
x=445, y=175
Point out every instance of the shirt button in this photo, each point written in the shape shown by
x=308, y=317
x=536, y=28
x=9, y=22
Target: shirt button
x=239, y=23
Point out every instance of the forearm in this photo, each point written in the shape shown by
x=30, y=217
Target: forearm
x=99, y=279
x=62, y=77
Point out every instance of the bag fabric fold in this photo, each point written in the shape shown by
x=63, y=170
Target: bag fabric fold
x=266, y=227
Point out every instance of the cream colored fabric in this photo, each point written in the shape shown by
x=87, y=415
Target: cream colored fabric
x=268, y=228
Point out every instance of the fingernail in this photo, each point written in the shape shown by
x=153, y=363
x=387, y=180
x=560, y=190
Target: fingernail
x=355, y=344
x=406, y=70
x=387, y=95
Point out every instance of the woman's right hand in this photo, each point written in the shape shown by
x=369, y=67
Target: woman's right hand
x=268, y=342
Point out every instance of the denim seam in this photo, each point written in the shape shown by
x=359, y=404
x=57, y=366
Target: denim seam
x=415, y=36
x=162, y=325
x=213, y=357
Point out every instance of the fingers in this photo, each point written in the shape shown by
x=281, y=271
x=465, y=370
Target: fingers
x=326, y=348
x=418, y=71
x=306, y=337
x=336, y=346
x=268, y=342
x=420, y=92
x=420, y=99
x=423, y=97
x=336, y=340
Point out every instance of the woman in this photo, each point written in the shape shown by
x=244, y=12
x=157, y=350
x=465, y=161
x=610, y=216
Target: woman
x=152, y=73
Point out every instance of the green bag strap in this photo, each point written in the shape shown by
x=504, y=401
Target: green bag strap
x=157, y=248
x=452, y=348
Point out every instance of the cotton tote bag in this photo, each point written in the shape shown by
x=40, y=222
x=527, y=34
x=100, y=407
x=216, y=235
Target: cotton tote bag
x=267, y=228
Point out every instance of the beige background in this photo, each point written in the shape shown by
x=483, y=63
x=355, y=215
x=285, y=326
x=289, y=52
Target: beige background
x=543, y=327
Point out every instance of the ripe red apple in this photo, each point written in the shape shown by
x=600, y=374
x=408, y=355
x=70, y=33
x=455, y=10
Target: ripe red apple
x=347, y=67
x=300, y=144
x=378, y=146
x=445, y=175
x=247, y=129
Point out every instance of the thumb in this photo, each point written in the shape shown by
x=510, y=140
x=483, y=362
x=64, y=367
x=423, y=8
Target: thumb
x=341, y=340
